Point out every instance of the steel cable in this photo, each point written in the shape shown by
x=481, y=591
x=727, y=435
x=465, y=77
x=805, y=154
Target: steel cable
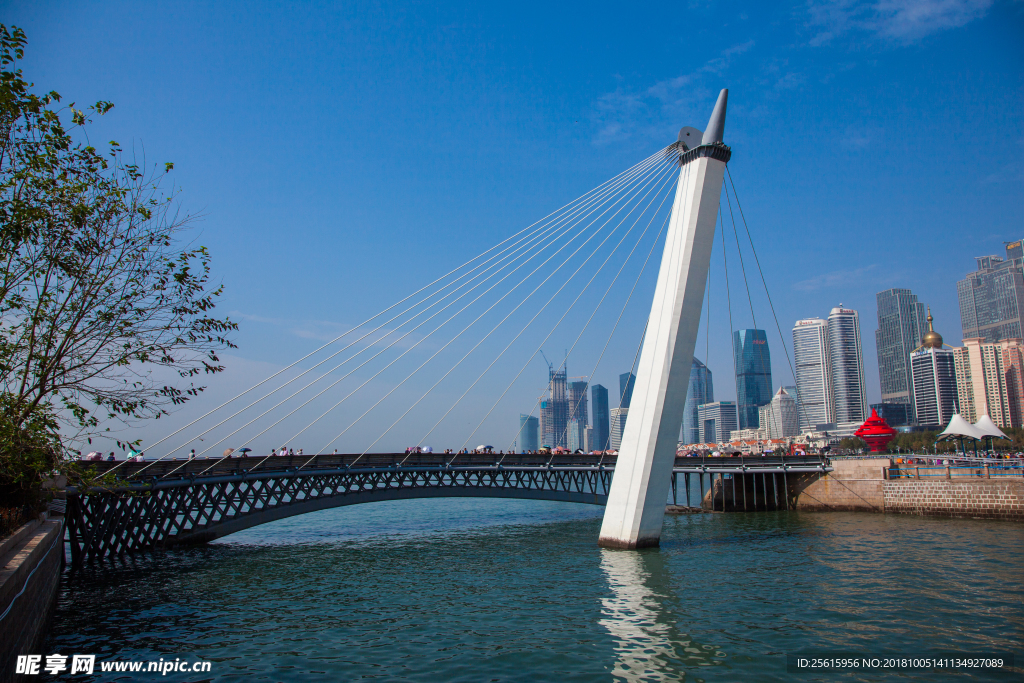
x=550, y=275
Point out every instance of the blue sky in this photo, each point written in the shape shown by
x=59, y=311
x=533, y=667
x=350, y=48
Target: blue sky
x=343, y=155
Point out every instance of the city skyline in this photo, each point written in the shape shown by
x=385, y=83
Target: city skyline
x=881, y=95
x=363, y=251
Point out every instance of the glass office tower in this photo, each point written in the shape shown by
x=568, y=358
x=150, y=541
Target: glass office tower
x=700, y=391
x=991, y=298
x=753, y=365
x=528, y=433
x=626, y=382
x=599, y=396
x=901, y=326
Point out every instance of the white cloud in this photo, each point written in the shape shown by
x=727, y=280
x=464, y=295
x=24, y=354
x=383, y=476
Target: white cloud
x=835, y=278
x=900, y=21
x=623, y=113
x=913, y=19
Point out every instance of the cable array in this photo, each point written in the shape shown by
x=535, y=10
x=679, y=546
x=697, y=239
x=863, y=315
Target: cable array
x=510, y=293
x=442, y=361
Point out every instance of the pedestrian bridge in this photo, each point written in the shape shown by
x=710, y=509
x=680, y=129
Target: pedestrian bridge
x=151, y=505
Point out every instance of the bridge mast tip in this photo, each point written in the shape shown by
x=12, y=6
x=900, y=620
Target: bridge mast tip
x=716, y=124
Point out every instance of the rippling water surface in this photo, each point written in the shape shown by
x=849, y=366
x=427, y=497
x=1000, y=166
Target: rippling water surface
x=483, y=590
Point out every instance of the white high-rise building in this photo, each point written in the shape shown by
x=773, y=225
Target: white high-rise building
x=846, y=366
x=617, y=426
x=933, y=379
x=934, y=385
x=779, y=418
x=717, y=421
x=813, y=373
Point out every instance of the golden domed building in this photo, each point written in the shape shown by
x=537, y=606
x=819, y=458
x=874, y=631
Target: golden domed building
x=933, y=378
x=932, y=339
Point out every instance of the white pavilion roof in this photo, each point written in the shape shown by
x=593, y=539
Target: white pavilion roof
x=988, y=427
x=958, y=427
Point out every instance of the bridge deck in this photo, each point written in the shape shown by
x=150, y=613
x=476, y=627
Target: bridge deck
x=170, y=502
x=259, y=465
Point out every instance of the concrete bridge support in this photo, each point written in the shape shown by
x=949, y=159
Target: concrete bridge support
x=751, y=492
x=636, y=501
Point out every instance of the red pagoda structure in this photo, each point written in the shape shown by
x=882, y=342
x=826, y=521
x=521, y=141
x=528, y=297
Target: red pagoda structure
x=876, y=432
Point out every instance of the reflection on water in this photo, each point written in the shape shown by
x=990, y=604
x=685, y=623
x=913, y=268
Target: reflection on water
x=648, y=645
x=477, y=590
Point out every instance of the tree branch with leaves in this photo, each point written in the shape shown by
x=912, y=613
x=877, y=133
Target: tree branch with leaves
x=97, y=291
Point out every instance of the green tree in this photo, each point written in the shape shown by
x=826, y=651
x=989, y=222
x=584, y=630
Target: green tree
x=850, y=443
x=96, y=290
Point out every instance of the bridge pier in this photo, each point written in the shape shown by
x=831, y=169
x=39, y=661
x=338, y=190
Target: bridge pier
x=749, y=492
x=636, y=501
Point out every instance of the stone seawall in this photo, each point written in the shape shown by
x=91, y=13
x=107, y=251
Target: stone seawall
x=861, y=485
x=32, y=560
x=852, y=485
x=989, y=498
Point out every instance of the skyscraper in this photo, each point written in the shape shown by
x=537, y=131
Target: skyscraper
x=576, y=396
x=991, y=298
x=934, y=385
x=599, y=398
x=753, y=365
x=717, y=421
x=813, y=374
x=781, y=416
x=791, y=390
x=989, y=380
x=626, y=382
x=846, y=365
x=618, y=426
x=894, y=414
x=700, y=391
x=528, y=431
x=901, y=327
x=555, y=411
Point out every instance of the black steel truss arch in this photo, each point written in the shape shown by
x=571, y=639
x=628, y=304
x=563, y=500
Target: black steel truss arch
x=104, y=523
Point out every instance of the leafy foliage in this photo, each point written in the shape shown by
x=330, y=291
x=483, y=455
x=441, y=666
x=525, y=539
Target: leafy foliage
x=95, y=291
x=26, y=451
x=924, y=442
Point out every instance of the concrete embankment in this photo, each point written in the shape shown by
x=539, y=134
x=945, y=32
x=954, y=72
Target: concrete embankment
x=31, y=561
x=863, y=485
x=852, y=485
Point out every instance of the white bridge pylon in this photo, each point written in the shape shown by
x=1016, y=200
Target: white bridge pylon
x=643, y=471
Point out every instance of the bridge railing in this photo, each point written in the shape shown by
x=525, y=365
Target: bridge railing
x=940, y=459
x=148, y=470
x=983, y=470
